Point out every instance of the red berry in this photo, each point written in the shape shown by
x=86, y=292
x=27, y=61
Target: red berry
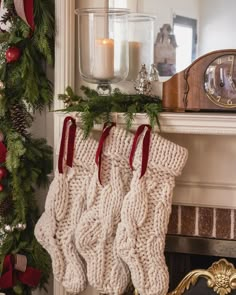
x=1, y=187
x=3, y=172
x=12, y=54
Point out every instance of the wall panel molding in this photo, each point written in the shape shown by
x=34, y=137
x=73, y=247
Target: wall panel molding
x=64, y=68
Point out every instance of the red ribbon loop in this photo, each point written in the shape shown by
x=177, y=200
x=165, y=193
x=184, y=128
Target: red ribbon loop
x=146, y=146
x=98, y=158
x=25, y=10
x=31, y=277
x=70, y=143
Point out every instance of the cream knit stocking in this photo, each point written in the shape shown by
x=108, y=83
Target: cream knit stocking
x=75, y=279
x=64, y=206
x=145, y=214
x=55, y=208
x=96, y=229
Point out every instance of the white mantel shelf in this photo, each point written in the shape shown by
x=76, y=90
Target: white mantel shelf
x=183, y=123
x=199, y=123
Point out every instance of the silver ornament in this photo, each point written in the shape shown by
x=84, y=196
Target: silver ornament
x=8, y=228
x=142, y=84
x=20, y=226
x=154, y=74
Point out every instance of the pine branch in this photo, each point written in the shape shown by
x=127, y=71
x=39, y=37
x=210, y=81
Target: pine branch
x=98, y=109
x=16, y=150
x=41, y=260
x=39, y=155
x=129, y=115
x=45, y=29
x=153, y=111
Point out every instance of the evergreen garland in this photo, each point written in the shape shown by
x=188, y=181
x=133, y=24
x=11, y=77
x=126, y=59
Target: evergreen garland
x=25, y=78
x=24, y=88
x=95, y=108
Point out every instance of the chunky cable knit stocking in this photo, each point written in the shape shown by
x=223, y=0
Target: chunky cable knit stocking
x=64, y=206
x=75, y=276
x=145, y=213
x=56, y=204
x=96, y=229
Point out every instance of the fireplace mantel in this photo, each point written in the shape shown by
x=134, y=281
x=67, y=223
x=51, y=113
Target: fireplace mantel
x=199, y=123
x=182, y=123
x=190, y=123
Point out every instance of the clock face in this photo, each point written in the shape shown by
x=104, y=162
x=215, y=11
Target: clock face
x=220, y=81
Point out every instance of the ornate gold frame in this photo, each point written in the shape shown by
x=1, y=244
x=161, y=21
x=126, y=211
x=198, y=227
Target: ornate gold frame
x=220, y=276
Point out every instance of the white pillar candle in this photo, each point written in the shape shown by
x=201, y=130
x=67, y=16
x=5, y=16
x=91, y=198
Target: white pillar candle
x=134, y=60
x=104, y=59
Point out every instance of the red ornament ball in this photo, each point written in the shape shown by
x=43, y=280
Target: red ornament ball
x=3, y=172
x=1, y=187
x=3, y=152
x=13, y=54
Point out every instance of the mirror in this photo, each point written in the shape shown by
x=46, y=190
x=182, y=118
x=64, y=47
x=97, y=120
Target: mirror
x=199, y=26
x=214, y=24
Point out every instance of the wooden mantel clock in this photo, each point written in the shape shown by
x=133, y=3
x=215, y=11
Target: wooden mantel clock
x=209, y=83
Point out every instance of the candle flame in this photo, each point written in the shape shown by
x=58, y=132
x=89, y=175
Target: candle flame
x=105, y=41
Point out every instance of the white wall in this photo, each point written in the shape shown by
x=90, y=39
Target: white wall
x=164, y=10
x=130, y=4
x=217, y=25
x=216, y=19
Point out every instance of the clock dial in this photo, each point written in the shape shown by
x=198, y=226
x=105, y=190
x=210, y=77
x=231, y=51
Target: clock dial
x=220, y=81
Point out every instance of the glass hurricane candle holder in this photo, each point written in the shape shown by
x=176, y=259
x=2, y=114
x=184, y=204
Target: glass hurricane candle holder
x=141, y=43
x=103, y=46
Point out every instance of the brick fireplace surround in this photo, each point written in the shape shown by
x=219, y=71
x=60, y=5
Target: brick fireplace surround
x=203, y=222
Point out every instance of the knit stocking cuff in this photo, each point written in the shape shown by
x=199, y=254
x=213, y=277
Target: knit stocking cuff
x=85, y=150
x=118, y=144
x=164, y=155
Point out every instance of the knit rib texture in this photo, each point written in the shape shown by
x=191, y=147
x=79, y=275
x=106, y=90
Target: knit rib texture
x=140, y=236
x=65, y=203
x=96, y=230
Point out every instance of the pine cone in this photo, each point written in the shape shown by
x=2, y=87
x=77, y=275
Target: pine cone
x=6, y=206
x=21, y=118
